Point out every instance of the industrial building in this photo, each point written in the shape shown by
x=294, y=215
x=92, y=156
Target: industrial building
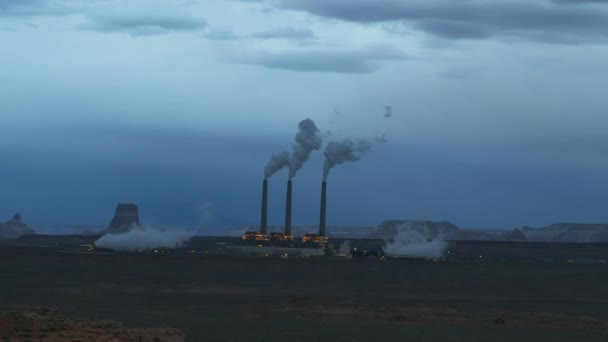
x=260, y=243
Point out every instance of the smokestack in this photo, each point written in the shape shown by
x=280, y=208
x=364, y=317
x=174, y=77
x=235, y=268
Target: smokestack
x=322, y=229
x=288, y=210
x=264, y=220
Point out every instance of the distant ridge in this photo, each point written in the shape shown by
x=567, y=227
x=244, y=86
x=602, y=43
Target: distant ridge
x=558, y=232
x=568, y=232
x=388, y=229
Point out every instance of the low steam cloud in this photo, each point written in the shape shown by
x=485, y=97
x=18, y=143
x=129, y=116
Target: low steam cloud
x=415, y=239
x=276, y=164
x=144, y=237
x=307, y=140
x=342, y=152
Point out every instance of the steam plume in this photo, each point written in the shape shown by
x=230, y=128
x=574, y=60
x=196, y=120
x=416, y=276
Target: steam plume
x=307, y=140
x=416, y=239
x=388, y=113
x=344, y=151
x=145, y=238
x=276, y=163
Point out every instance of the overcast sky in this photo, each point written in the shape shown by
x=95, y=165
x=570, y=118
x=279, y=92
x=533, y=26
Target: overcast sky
x=499, y=109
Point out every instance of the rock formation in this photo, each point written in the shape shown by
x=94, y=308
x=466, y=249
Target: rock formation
x=14, y=228
x=515, y=235
x=125, y=217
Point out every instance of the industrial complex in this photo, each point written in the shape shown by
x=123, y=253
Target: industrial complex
x=262, y=243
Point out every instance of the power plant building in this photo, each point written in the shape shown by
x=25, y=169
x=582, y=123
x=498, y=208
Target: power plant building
x=262, y=243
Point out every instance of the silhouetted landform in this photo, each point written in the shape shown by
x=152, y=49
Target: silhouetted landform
x=515, y=235
x=489, y=235
x=568, y=232
x=52, y=241
x=561, y=232
x=387, y=230
x=48, y=325
x=125, y=217
x=14, y=228
x=71, y=228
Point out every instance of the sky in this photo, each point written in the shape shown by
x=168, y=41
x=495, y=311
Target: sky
x=498, y=109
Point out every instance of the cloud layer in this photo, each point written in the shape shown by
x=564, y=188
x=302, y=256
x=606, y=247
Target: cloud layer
x=142, y=23
x=110, y=16
x=355, y=61
x=473, y=19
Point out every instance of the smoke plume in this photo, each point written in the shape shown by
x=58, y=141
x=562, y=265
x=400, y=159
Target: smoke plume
x=388, y=111
x=143, y=237
x=415, y=239
x=276, y=163
x=383, y=138
x=307, y=140
x=342, y=152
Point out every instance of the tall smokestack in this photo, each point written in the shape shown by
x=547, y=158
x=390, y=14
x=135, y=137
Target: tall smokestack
x=322, y=230
x=264, y=220
x=288, y=210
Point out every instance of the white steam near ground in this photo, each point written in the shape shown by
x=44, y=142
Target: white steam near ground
x=146, y=237
x=414, y=239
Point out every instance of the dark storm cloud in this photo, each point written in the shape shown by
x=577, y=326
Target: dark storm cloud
x=143, y=23
x=473, y=19
x=336, y=60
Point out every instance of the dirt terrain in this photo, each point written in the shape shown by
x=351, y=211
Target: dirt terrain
x=240, y=299
x=49, y=326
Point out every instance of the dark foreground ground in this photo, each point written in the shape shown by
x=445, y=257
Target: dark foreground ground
x=225, y=299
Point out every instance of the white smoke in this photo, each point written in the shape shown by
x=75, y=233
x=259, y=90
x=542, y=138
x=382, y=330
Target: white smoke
x=342, y=152
x=145, y=237
x=415, y=239
x=307, y=140
x=276, y=164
